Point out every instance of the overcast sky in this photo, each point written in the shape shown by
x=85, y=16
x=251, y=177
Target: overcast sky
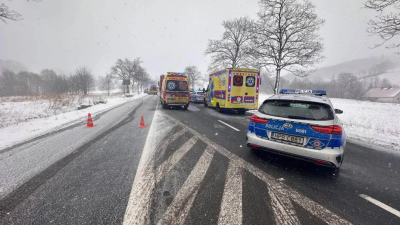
x=167, y=35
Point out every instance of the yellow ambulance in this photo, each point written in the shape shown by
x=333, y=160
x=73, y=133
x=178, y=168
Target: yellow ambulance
x=234, y=89
x=174, y=90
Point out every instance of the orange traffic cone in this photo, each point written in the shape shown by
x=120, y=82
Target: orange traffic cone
x=142, y=122
x=89, y=121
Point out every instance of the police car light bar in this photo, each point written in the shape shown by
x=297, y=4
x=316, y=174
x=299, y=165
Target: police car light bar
x=301, y=91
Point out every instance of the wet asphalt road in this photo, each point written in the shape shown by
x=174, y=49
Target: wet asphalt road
x=204, y=174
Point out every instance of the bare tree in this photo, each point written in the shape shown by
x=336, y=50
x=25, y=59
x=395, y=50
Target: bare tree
x=286, y=37
x=193, y=74
x=126, y=70
x=106, y=83
x=348, y=86
x=232, y=49
x=386, y=26
x=386, y=83
x=119, y=70
x=141, y=77
x=85, y=79
x=6, y=13
x=49, y=78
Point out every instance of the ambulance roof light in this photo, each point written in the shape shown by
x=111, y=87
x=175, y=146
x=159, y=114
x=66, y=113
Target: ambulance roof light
x=179, y=73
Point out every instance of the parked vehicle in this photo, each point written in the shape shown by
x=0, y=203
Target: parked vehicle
x=234, y=89
x=153, y=90
x=197, y=96
x=301, y=124
x=174, y=90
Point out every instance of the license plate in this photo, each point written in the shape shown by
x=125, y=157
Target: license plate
x=288, y=138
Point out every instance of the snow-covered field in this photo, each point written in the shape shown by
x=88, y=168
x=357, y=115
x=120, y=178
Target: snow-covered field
x=23, y=118
x=368, y=122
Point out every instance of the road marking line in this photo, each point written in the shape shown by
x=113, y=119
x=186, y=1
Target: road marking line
x=282, y=206
x=381, y=204
x=194, y=109
x=285, y=209
x=231, y=206
x=162, y=146
x=139, y=203
x=228, y=125
x=167, y=165
x=177, y=212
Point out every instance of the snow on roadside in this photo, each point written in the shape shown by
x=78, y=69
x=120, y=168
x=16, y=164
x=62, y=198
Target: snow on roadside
x=371, y=122
x=368, y=122
x=42, y=122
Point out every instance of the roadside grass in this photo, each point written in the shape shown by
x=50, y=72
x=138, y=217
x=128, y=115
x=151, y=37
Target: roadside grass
x=17, y=109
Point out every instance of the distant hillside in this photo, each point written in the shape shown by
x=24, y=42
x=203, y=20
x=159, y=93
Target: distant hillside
x=357, y=67
x=12, y=65
x=393, y=75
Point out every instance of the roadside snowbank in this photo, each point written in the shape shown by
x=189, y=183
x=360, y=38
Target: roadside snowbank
x=40, y=118
x=369, y=122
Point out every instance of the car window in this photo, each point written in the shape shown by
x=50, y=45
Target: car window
x=297, y=110
x=237, y=80
x=173, y=85
x=250, y=81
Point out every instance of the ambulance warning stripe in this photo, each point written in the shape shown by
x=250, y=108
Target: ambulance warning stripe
x=220, y=94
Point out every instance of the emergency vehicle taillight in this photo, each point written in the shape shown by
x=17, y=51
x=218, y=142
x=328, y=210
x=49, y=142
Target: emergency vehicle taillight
x=257, y=119
x=336, y=130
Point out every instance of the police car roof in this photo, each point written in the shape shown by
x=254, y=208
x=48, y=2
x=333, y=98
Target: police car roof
x=301, y=97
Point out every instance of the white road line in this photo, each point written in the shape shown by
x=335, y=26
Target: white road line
x=282, y=206
x=167, y=165
x=139, y=203
x=195, y=109
x=177, y=212
x=231, y=206
x=285, y=209
x=228, y=125
x=381, y=204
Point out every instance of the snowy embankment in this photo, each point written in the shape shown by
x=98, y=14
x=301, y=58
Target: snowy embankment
x=368, y=122
x=24, y=118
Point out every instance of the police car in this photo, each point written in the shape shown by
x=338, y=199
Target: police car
x=299, y=123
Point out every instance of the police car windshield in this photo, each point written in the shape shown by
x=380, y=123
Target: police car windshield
x=297, y=110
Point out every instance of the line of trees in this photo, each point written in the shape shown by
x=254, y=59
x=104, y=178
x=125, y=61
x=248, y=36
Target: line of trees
x=81, y=81
x=284, y=37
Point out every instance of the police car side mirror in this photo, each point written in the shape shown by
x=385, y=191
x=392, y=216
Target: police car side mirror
x=338, y=111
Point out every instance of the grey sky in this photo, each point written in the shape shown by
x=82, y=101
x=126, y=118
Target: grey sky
x=167, y=35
